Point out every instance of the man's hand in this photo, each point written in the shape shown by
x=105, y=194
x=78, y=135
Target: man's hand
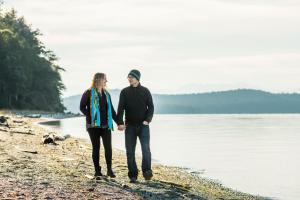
x=146, y=123
x=121, y=127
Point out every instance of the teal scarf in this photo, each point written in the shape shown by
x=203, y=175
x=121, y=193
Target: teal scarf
x=95, y=110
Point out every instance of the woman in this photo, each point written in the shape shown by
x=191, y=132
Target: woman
x=97, y=107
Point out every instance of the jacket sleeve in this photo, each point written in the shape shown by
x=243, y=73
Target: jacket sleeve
x=150, y=110
x=121, y=108
x=83, y=103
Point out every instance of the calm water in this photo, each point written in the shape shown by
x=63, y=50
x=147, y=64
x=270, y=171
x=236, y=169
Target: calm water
x=257, y=154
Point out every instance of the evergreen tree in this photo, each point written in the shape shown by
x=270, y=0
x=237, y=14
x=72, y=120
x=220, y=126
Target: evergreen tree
x=29, y=74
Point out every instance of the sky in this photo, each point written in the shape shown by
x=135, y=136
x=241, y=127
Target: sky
x=179, y=46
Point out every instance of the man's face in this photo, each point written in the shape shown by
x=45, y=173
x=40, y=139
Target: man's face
x=132, y=80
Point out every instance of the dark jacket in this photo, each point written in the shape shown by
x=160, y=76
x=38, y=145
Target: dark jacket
x=138, y=105
x=85, y=108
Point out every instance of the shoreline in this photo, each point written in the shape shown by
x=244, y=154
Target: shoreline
x=69, y=163
x=138, y=156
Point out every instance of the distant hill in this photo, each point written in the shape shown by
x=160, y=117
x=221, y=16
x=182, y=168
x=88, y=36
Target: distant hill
x=224, y=102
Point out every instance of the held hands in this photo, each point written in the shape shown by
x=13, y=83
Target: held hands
x=121, y=127
x=146, y=123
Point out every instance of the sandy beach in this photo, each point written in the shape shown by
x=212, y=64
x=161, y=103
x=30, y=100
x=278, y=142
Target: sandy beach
x=30, y=169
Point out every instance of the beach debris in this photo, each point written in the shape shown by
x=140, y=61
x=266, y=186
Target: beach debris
x=89, y=176
x=3, y=129
x=22, y=131
x=49, y=139
x=45, y=183
x=4, y=121
x=84, y=147
x=25, y=150
x=67, y=136
x=33, y=116
x=198, y=172
x=61, y=138
x=33, y=152
x=58, y=138
x=52, y=137
x=18, y=121
x=125, y=186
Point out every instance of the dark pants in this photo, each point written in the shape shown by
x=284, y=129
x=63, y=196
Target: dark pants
x=131, y=134
x=95, y=134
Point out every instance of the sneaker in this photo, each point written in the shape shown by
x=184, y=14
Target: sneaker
x=133, y=180
x=148, y=175
x=111, y=173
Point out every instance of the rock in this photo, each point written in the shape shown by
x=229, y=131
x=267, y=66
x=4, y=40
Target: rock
x=52, y=137
x=49, y=140
x=67, y=136
x=3, y=119
x=58, y=138
x=198, y=172
x=125, y=186
x=45, y=183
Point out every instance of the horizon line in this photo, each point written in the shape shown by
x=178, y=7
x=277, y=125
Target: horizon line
x=212, y=91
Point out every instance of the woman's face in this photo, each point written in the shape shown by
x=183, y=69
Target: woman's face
x=102, y=82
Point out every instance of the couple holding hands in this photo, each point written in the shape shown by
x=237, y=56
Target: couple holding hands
x=136, y=101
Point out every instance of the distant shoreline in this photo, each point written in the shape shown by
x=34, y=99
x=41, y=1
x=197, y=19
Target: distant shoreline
x=240, y=101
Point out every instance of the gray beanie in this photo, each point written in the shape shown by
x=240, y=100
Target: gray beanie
x=135, y=73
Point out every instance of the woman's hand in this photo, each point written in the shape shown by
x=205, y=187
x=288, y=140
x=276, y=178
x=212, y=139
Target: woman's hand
x=121, y=127
x=146, y=123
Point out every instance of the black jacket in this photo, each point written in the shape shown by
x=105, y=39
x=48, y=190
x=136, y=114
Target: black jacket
x=85, y=108
x=138, y=105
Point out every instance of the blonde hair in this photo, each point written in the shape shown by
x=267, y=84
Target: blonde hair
x=98, y=77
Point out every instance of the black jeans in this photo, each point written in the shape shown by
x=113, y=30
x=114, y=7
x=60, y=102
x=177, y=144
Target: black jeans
x=131, y=134
x=95, y=134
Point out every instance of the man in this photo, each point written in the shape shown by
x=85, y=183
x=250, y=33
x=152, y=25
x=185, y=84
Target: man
x=137, y=103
